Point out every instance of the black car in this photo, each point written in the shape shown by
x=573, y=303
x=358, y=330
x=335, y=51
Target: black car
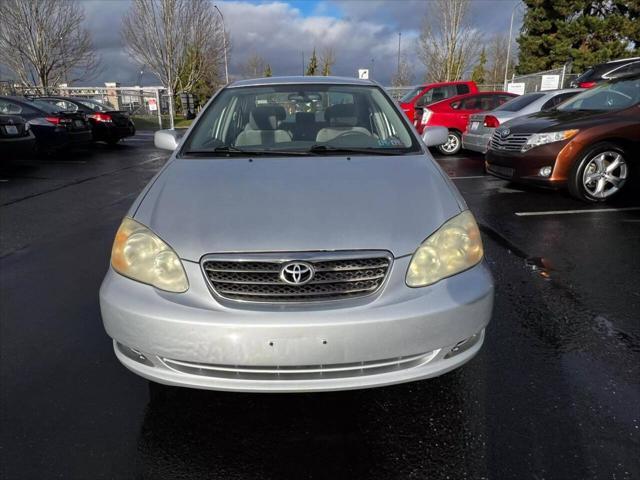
x=108, y=125
x=16, y=138
x=607, y=71
x=54, y=129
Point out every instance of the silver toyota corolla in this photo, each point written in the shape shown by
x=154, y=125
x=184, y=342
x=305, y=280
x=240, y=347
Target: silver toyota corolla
x=300, y=238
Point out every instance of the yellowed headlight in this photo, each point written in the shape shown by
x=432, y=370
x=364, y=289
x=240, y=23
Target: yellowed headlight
x=141, y=255
x=456, y=246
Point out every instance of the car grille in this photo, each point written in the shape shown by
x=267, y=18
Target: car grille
x=511, y=143
x=258, y=280
x=500, y=171
x=308, y=372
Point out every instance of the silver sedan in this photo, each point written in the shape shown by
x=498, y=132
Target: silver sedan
x=482, y=125
x=300, y=238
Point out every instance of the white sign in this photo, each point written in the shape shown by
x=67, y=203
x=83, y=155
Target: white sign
x=363, y=73
x=550, y=82
x=153, y=106
x=517, y=88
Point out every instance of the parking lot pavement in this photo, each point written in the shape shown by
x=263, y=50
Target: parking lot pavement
x=554, y=393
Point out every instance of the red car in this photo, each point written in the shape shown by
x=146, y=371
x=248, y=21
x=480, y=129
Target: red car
x=426, y=94
x=454, y=113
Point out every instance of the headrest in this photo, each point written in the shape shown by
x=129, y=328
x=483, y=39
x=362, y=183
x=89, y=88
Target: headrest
x=342, y=114
x=266, y=118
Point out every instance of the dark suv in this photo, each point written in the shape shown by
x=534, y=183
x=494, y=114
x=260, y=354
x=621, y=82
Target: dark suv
x=607, y=71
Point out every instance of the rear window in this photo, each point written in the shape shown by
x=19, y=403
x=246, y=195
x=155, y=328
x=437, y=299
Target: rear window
x=520, y=102
x=44, y=106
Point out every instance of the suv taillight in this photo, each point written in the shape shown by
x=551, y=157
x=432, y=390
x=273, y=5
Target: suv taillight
x=101, y=117
x=491, y=122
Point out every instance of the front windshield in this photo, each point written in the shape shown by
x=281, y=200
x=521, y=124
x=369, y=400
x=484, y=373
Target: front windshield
x=410, y=94
x=615, y=95
x=518, y=103
x=301, y=119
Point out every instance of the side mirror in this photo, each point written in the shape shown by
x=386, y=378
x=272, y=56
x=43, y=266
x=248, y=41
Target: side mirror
x=435, y=136
x=167, y=139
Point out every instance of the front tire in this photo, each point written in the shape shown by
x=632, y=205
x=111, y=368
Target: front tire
x=601, y=173
x=453, y=145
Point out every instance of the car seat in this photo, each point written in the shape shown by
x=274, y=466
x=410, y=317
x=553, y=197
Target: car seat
x=262, y=128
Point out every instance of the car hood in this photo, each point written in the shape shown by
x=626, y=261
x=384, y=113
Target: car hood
x=554, y=120
x=296, y=204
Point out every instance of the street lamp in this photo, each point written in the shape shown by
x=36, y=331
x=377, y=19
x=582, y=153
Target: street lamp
x=224, y=44
x=506, y=64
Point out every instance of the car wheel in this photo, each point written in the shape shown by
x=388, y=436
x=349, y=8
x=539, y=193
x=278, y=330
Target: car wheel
x=600, y=174
x=453, y=145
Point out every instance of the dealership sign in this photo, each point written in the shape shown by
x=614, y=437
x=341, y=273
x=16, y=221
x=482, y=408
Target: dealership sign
x=550, y=82
x=153, y=105
x=517, y=88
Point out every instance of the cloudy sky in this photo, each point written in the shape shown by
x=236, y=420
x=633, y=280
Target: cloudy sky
x=363, y=33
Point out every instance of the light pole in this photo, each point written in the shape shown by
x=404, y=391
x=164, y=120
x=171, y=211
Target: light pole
x=224, y=45
x=506, y=64
x=399, y=38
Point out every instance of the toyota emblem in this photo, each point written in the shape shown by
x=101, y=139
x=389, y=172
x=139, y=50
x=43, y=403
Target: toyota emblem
x=297, y=273
x=505, y=133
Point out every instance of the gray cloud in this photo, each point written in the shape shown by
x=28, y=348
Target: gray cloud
x=364, y=34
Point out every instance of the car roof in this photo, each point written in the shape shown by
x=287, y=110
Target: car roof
x=255, y=82
x=468, y=95
x=629, y=59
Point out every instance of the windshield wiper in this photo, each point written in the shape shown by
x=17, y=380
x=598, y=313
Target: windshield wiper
x=318, y=149
x=231, y=150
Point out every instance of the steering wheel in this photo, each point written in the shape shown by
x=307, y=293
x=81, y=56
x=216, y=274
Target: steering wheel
x=351, y=133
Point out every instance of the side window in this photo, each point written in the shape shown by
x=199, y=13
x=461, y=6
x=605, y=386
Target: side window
x=557, y=100
x=471, y=103
x=9, y=108
x=499, y=100
x=462, y=89
x=434, y=95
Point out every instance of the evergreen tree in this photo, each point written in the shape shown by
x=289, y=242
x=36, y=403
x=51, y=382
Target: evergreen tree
x=479, y=71
x=312, y=69
x=585, y=32
x=267, y=71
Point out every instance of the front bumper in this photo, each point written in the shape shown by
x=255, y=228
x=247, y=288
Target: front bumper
x=524, y=167
x=400, y=335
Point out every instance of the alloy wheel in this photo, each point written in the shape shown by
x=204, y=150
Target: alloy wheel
x=604, y=174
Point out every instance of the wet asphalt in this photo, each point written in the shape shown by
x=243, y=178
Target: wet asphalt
x=554, y=393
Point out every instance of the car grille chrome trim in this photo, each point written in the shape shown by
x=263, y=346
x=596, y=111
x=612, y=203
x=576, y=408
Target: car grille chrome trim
x=257, y=277
x=512, y=143
x=308, y=372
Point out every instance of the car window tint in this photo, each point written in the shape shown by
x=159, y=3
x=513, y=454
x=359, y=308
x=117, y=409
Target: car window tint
x=462, y=89
x=436, y=94
x=610, y=96
x=9, y=108
x=515, y=104
x=626, y=70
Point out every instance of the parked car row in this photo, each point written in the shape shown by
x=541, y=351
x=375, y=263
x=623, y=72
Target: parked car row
x=49, y=124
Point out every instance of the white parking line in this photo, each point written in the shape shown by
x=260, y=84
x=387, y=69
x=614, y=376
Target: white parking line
x=571, y=212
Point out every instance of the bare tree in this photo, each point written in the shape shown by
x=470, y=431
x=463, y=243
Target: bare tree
x=447, y=45
x=497, y=53
x=179, y=41
x=404, y=76
x=254, y=67
x=43, y=42
x=327, y=60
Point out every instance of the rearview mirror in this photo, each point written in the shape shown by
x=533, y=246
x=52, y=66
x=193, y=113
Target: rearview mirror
x=435, y=136
x=167, y=139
